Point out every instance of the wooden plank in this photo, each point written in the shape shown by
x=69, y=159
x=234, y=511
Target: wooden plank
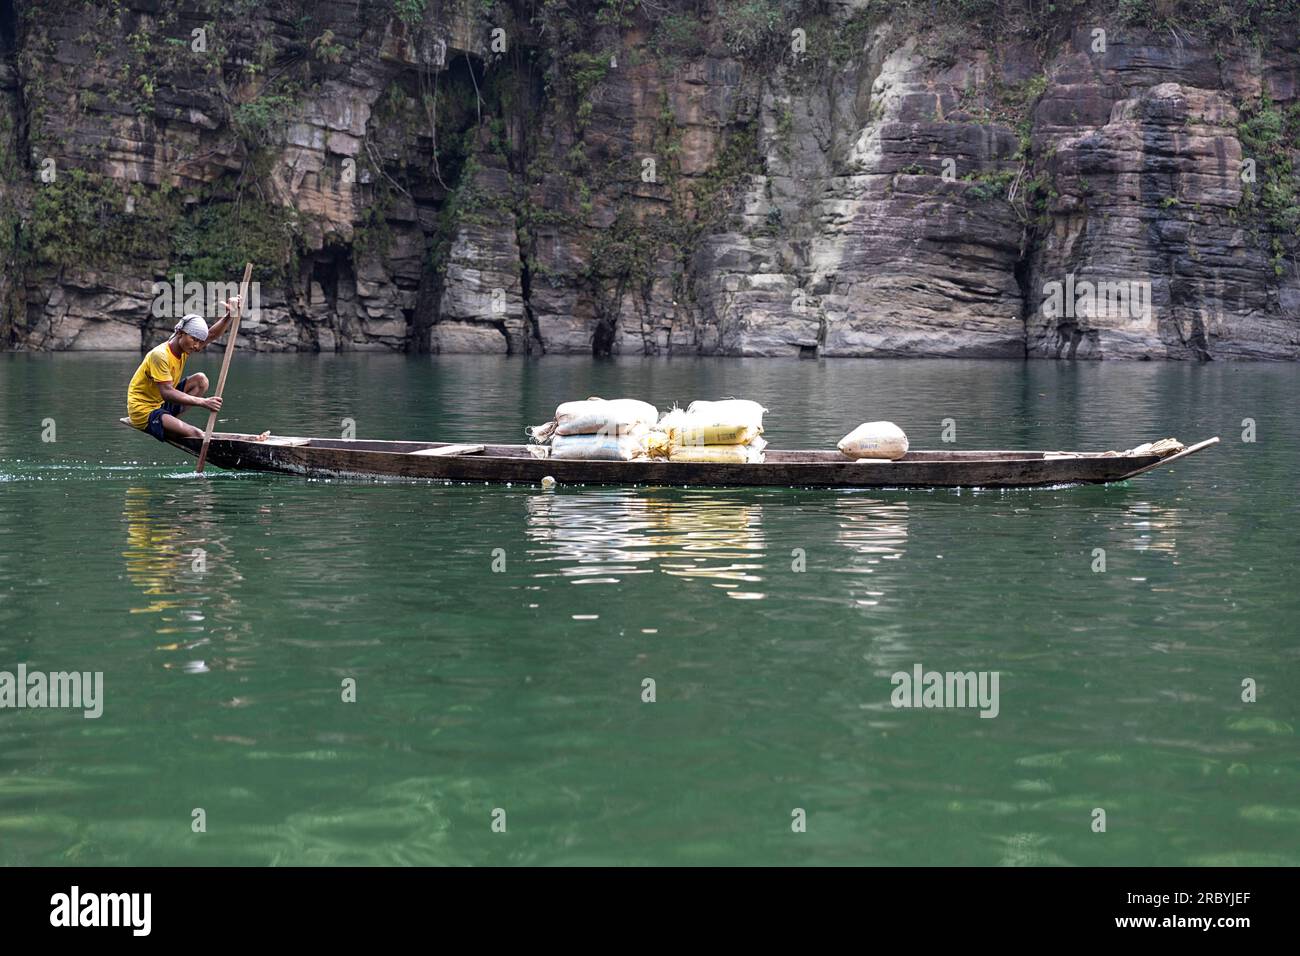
x=448, y=450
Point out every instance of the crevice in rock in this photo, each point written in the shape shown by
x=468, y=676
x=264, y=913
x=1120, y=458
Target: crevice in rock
x=602, y=338
x=1024, y=273
x=425, y=315
x=13, y=142
x=458, y=94
x=330, y=270
x=8, y=27
x=532, y=329
x=529, y=88
x=1182, y=296
x=505, y=334
x=1198, y=342
x=324, y=272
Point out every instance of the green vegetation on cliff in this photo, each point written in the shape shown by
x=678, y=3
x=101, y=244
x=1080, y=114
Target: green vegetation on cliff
x=213, y=241
x=1270, y=137
x=87, y=221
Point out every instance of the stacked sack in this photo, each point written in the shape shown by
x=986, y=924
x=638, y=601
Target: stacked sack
x=595, y=429
x=729, y=431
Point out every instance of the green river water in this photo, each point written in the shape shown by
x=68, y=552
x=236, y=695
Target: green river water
x=521, y=690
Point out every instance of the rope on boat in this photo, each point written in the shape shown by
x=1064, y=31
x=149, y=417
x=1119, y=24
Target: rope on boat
x=541, y=434
x=1161, y=449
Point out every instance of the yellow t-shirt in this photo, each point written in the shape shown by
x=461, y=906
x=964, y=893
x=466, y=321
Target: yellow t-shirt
x=160, y=364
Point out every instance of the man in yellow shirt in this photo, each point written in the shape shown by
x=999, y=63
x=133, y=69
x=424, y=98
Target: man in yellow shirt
x=160, y=393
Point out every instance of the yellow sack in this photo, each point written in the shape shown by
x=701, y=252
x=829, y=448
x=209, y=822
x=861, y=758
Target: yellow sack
x=691, y=428
x=715, y=434
x=658, y=443
x=720, y=454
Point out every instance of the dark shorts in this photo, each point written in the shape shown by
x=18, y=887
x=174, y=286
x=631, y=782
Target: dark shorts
x=155, y=426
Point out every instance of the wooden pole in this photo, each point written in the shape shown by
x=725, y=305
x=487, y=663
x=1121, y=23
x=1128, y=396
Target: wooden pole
x=1168, y=459
x=225, y=365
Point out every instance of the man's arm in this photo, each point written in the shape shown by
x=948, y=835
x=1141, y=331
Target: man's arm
x=171, y=393
x=218, y=328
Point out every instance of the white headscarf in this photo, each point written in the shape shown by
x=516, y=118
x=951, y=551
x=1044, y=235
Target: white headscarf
x=194, y=325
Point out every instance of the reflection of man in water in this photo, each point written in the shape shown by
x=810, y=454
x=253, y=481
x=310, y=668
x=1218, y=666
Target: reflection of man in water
x=160, y=393
x=151, y=556
x=163, y=541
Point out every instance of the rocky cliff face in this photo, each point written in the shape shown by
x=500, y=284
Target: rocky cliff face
x=758, y=177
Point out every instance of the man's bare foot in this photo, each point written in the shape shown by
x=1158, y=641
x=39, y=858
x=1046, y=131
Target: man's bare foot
x=263, y=437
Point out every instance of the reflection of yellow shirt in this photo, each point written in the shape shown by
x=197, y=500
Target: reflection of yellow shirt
x=142, y=397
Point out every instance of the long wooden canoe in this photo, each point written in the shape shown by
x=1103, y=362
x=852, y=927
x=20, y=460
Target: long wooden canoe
x=443, y=461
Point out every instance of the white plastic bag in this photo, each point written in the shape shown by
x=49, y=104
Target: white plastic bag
x=604, y=447
x=595, y=415
x=882, y=440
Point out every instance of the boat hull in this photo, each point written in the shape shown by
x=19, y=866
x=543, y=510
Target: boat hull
x=330, y=458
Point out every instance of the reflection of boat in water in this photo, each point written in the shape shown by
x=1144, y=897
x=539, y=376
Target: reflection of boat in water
x=601, y=536
x=872, y=532
x=871, y=527
x=1154, y=527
